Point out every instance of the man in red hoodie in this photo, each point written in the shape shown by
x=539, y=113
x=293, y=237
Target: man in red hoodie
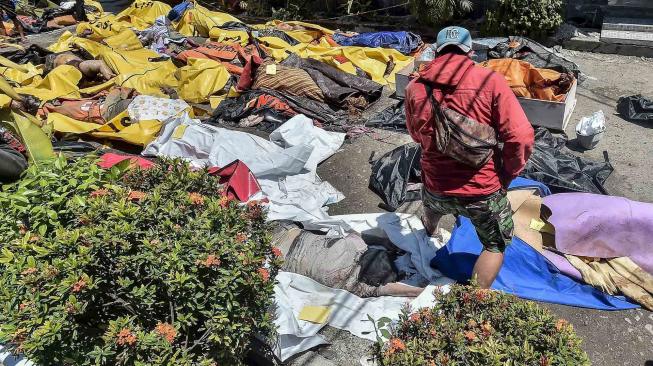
x=452, y=187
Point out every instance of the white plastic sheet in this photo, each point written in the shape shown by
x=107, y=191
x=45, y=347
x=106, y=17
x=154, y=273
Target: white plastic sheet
x=591, y=125
x=350, y=312
x=285, y=167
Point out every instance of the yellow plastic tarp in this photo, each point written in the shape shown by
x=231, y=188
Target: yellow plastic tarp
x=200, y=79
x=102, y=27
x=141, y=14
x=140, y=133
x=60, y=82
x=126, y=40
x=198, y=21
x=229, y=36
x=68, y=41
x=27, y=74
x=36, y=142
x=374, y=61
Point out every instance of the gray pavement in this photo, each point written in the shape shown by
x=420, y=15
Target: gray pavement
x=610, y=338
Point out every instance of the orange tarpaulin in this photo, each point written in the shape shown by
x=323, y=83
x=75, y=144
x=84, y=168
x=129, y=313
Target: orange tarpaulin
x=527, y=81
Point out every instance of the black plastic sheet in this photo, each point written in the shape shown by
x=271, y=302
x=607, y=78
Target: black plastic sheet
x=550, y=164
x=392, y=172
x=563, y=171
x=391, y=118
x=635, y=108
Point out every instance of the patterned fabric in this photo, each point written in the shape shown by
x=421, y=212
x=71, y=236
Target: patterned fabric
x=145, y=108
x=288, y=80
x=491, y=215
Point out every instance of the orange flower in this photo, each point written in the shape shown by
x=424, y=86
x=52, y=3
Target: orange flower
x=241, y=237
x=396, y=345
x=431, y=363
x=34, y=238
x=29, y=271
x=415, y=317
x=99, y=193
x=561, y=324
x=125, y=337
x=22, y=229
x=471, y=336
x=196, y=198
x=264, y=273
x=167, y=331
x=482, y=295
x=79, y=286
x=224, y=201
x=23, y=306
x=136, y=195
x=466, y=297
x=277, y=252
x=210, y=261
x=487, y=328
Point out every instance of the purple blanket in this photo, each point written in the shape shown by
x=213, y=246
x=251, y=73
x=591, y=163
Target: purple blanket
x=599, y=226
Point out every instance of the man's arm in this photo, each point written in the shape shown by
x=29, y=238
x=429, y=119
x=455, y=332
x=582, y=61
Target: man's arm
x=413, y=130
x=513, y=129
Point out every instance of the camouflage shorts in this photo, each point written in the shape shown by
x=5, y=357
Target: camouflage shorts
x=491, y=215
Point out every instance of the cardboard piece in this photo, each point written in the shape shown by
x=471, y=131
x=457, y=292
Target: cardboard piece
x=526, y=206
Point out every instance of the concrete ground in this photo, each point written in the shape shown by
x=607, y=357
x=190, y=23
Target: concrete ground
x=610, y=338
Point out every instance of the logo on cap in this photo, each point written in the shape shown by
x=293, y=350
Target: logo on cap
x=452, y=33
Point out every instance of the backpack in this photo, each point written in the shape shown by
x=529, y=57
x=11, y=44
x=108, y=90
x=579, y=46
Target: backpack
x=458, y=136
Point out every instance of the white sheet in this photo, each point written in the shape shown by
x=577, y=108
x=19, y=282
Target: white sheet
x=350, y=312
x=285, y=167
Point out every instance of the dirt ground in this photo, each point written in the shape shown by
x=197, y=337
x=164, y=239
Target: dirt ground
x=610, y=338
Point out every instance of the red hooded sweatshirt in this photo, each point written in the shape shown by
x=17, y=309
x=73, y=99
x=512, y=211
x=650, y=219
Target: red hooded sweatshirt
x=484, y=96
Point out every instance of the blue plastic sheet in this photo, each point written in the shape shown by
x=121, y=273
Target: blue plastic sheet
x=525, y=272
x=404, y=42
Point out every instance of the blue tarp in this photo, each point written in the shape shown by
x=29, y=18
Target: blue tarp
x=404, y=42
x=525, y=272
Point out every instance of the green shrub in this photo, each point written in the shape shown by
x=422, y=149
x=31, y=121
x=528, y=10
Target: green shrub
x=536, y=19
x=439, y=12
x=151, y=267
x=470, y=326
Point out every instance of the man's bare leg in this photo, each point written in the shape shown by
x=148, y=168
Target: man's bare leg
x=487, y=268
x=399, y=289
x=431, y=220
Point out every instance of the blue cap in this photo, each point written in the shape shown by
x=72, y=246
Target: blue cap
x=457, y=36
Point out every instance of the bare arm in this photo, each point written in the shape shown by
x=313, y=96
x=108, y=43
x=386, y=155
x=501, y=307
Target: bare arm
x=399, y=289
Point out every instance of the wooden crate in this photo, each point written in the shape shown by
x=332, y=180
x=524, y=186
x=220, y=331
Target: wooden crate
x=553, y=115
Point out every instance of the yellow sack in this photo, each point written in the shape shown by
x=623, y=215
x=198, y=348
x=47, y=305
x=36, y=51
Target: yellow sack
x=200, y=79
x=141, y=133
x=151, y=81
x=130, y=61
x=102, y=27
x=67, y=40
x=141, y=14
x=27, y=74
x=198, y=21
x=60, y=82
x=310, y=33
x=95, y=4
x=229, y=36
x=126, y=40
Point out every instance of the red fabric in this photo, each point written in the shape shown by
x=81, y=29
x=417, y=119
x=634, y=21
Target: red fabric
x=483, y=96
x=239, y=181
x=273, y=102
x=110, y=159
x=249, y=74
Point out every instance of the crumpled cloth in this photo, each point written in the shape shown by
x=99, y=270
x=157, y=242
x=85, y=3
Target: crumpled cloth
x=145, y=107
x=585, y=227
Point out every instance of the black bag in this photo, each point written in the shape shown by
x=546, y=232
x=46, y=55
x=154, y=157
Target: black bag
x=460, y=137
